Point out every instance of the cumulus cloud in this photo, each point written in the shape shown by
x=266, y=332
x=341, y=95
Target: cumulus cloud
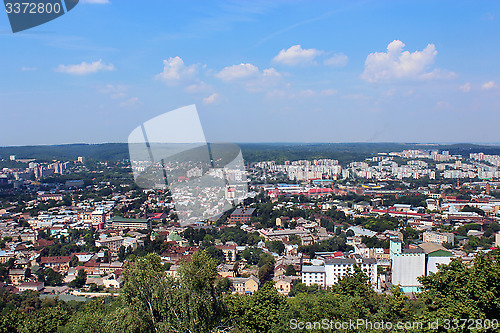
x=238, y=72
x=399, y=64
x=296, y=55
x=212, y=99
x=28, y=69
x=250, y=76
x=175, y=71
x=489, y=85
x=197, y=87
x=337, y=60
x=85, y=68
x=466, y=87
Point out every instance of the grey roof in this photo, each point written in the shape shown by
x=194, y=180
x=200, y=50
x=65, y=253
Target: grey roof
x=359, y=231
x=313, y=269
x=418, y=250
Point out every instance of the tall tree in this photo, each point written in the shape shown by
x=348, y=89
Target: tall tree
x=189, y=303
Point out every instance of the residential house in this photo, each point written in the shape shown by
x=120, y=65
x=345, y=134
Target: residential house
x=283, y=284
x=56, y=263
x=229, y=252
x=17, y=276
x=242, y=285
x=35, y=286
x=113, y=280
x=225, y=270
x=173, y=271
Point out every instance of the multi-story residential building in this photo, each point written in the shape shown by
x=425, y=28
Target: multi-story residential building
x=119, y=222
x=314, y=275
x=50, y=196
x=242, y=215
x=438, y=237
x=229, y=252
x=112, y=243
x=98, y=216
x=337, y=268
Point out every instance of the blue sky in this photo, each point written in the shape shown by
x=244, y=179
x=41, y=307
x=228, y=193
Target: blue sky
x=287, y=71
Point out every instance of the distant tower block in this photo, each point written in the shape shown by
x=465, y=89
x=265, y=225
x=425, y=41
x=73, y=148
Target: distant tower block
x=81, y=159
x=12, y=157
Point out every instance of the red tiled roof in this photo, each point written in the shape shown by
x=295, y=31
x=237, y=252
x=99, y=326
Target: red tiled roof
x=43, y=243
x=55, y=260
x=226, y=247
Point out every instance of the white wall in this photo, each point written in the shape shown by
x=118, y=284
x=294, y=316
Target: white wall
x=406, y=268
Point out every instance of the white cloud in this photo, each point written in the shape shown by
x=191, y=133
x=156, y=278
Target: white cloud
x=296, y=55
x=328, y=92
x=175, y=71
x=115, y=91
x=399, y=64
x=337, y=60
x=130, y=102
x=28, y=69
x=212, y=99
x=250, y=76
x=85, y=68
x=466, y=87
x=197, y=87
x=438, y=74
x=312, y=93
x=489, y=85
x=99, y=2
x=238, y=72
x=307, y=93
x=355, y=96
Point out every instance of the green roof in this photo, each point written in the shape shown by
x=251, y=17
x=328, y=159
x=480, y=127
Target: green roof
x=174, y=237
x=440, y=253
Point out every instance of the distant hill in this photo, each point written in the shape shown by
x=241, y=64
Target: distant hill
x=252, y=152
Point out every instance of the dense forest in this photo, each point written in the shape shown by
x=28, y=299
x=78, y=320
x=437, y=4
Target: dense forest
x=252, y=152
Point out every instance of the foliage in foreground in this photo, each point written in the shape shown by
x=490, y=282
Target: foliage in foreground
x=152, y=301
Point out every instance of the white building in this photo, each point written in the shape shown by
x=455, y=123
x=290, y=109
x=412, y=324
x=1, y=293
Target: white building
x=337, y=268
x=112, y=243
x=314, y=275
x=407, y=266
x=437, y=237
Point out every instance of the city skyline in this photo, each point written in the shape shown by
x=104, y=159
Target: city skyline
x=258, y=72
